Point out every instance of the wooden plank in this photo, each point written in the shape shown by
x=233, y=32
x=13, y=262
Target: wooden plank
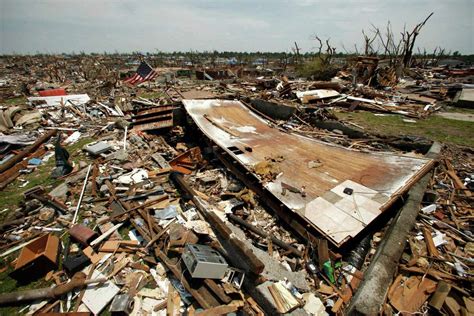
x=173, y=302
x=337, y=306
x=411, y=294
x=255, y=307
x=219, y=292
x=457, y=182
x=452, y=306
x=432, y=251
x=284, y=300
x=438, y=298
x=323, y=252
x=218, y=310
x=438, y=275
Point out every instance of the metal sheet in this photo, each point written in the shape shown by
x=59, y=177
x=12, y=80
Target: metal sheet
x=377, y=179
x=76, y=99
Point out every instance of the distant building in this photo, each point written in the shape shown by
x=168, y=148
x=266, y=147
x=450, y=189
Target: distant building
x=259, y=62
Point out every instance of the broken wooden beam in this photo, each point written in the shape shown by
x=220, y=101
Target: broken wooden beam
x=25, y=152
x=239, y=254
x=202, y=296
x=263, y=234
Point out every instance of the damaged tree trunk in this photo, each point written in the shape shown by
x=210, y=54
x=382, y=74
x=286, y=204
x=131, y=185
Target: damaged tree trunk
x=409, y=39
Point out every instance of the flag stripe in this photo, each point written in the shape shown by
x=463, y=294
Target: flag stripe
x=143, y=73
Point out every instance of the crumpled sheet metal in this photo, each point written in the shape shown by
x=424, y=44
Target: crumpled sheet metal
x=376, y=180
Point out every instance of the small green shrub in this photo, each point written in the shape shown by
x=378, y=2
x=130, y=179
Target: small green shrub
x=317, y=70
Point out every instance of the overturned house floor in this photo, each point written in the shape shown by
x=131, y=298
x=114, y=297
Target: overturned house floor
x=340, y=191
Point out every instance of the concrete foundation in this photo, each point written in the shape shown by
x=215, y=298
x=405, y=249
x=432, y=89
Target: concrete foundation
x=371, y=294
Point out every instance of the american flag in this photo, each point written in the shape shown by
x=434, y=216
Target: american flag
x=144, y=73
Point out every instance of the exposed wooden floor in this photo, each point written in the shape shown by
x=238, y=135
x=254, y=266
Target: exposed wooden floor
x=376, y=179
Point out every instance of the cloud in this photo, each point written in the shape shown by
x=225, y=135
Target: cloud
x=28, y=26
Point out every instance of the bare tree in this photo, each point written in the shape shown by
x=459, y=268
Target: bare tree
x=390, y=49
x=330, y=51
x=409, y=38
x=296, y=51
x=368, y=41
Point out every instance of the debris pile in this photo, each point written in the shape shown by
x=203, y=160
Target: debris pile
x=436, y=268
x=243, y=195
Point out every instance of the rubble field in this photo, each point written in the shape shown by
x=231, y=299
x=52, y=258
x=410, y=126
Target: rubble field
x=234, y=190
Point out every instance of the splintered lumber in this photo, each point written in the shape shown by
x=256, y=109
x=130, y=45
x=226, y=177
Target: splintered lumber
x=239, y=254
x=218, y=310
x=158, y=236
x=457, y=182
x=28, y=150
x=217, y=290
x=255, y=307
x=284, y=300
x=438, y=275
x=11, y=174
x=173, y=302
x=261, y=233
x=337, y=306
x=128, y=211
x=201, y=294
x=120, y=246
x=429, y=243
x=106, y=234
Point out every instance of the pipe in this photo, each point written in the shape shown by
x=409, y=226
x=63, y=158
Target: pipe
x=82, y=194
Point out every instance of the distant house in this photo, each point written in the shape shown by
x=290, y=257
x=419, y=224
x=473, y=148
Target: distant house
x=259, y=62
x=232, y=61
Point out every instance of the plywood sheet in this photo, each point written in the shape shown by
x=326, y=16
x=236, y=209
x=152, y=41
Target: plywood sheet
x=376, y=179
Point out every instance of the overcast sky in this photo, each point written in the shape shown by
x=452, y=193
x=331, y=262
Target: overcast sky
x=29, y=26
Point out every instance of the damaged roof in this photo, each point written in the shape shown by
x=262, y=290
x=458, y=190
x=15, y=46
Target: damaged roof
x=341, y=190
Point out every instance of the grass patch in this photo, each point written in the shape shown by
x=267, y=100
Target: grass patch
x=454, y=109
x=434, y=127
x=15, y=101
x=7, y=285
x=12, y=195
x=151, y=94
